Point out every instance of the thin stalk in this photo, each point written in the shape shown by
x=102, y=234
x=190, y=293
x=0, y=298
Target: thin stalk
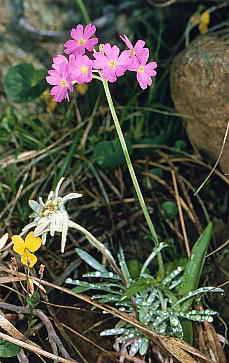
x=132, y=173
x=84, y=12
x=96, y=243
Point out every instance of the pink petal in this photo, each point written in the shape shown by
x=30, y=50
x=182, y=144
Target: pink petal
x=91, y=43
x=89, y=31
x=52, y=80
x=54, y=90
x=100, y=61
x=78, y=32
x=114, y=52
x=53, y=72
x=109, y=74
x=141, y=53
x=144, y=80
x=124, y=58
x=134, y=66
x=111, y=52
x=151, y=65
x=120, y=70
x=70, y=43
x=127, y=41
x=144, y=57
x=139, y=44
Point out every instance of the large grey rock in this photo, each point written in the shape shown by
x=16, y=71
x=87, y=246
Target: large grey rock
x=200, y=91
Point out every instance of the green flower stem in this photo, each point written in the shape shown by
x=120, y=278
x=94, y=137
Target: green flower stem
x=132, y=172
x=84, y=13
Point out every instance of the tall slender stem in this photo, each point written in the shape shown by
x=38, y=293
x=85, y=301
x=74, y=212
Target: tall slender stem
x=132, y=172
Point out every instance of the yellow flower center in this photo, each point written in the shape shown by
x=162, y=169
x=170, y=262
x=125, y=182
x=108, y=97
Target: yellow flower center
x=81, y=41
x=84, y=69
x=133, y=52
x=63, y=83
x=113, y=63
x=141, y=69
x=51, y=206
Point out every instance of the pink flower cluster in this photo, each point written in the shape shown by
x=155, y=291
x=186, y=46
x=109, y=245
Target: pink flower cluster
x=110, y=62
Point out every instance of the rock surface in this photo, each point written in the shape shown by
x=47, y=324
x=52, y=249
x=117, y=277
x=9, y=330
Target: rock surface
x=200, y=91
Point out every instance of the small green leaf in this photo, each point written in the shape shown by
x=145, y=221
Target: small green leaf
x=34, y=300
x=194, y=265
x=181, y=145
x=90, y=260
x=141, y=284
x=170, y=209
x=23, y=83
x=104, y=275
x=8, y=349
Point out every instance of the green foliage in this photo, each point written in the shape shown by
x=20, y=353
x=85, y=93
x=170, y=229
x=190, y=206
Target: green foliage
x=23, y=83
x=192, y=273
x=155, y=302
x=8, y=349
x=170, y=209
x=33, y=300
x=109, y=154
x=195, y=264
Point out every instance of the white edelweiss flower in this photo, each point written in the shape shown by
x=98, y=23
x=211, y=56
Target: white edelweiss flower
x=51, y=216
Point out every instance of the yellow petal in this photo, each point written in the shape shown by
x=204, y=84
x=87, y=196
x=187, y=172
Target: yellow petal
x=19, y=244
x=203, y=28
x=205, y=18
x=28, y=259
x=32, y=243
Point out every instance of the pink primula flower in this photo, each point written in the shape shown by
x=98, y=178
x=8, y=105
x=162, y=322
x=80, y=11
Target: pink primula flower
x=81, y=40
x=111, y=63
x=60, y=79
x=144, y=71
x=80, y=67
x=137, y=49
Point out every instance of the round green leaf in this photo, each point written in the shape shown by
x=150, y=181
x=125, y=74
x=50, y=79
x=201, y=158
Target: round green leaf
x=23, y=83
x=8, y=349
x=170, y=209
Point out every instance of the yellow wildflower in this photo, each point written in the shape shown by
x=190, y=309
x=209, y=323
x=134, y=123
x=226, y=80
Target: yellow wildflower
x=24, y=248
x=202, y=20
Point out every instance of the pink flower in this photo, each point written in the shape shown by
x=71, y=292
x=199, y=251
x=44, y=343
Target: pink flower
x=136, y=50
x=60, y=78
x=81, y=40
x=144, y=71
x=112, y=64
x=80, y=68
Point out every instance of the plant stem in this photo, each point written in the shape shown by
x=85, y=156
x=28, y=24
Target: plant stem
x=132, y=173
x=96, y=243
x=84, y=13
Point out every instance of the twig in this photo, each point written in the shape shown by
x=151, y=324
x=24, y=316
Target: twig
x=34, y=349
x=217, y=161
x=22, y=357
x=181, y=214
x=53, y=337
